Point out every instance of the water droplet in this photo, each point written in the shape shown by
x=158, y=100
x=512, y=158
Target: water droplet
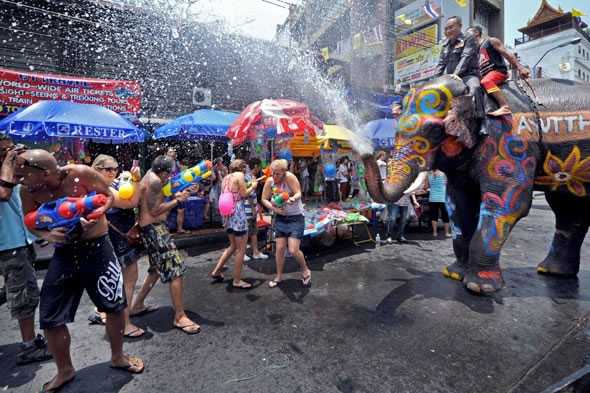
x=76, y=180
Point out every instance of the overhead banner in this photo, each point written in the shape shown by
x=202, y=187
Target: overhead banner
x=19, y=89
x=416, y=14
x=418, y=66
x=416, y=41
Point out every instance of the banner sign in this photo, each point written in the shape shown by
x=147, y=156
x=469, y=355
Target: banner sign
x=416, y=41
x=418, y=66
x=416, y=14
x=19, y=89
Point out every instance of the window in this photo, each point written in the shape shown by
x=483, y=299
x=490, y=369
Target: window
x=579, y=74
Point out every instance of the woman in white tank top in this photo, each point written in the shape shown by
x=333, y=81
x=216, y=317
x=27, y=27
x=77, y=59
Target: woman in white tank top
x=289, y=222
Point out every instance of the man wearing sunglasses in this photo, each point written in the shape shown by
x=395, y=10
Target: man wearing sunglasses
x=16, y=260
x=84, y=259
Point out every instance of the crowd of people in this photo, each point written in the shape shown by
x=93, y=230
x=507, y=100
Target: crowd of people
x=100, y=255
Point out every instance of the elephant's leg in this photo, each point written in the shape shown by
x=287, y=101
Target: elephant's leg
x=463, y=207
x=499, y=212
x=571, y=225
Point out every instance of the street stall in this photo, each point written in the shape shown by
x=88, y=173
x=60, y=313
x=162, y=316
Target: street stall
x=204, y=125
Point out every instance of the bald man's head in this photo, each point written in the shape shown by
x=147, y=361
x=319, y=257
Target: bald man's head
x=36, y=169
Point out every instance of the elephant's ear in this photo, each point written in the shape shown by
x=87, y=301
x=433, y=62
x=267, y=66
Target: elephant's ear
x=460, y=119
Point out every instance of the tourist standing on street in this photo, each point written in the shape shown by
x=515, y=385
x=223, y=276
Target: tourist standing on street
x=235, y=223
x=437, y=182
x=16, y=260
x=164, y=258
x=252, y=173
x=84, y=259
x=343, y=176
x=289, y=222
x=121, y=218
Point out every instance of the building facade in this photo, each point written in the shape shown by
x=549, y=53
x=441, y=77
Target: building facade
x=555, y=44
x=377, y=45
x=177, y=62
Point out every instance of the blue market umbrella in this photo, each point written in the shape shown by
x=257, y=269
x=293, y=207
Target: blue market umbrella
x=381, y=132
x=207, y=124
x=64, y=119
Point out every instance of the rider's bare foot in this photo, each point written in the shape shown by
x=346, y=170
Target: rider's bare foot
x=502, y=111
x=59, y=380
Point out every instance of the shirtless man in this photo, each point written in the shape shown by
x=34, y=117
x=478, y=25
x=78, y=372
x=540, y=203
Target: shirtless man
x=83, y=260
x=165, y=260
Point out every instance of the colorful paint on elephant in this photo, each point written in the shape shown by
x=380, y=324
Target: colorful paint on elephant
x=510, y=165
x=573, y=172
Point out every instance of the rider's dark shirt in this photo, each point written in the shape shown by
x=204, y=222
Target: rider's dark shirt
x=459, y=57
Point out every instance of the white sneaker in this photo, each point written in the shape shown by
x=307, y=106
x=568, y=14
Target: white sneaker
x=260, y=256
x=246, y=258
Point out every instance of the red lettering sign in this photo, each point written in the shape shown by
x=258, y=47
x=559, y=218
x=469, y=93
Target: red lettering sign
x=19, y=89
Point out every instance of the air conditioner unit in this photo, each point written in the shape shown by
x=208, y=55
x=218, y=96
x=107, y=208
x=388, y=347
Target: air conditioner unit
x=201, y=96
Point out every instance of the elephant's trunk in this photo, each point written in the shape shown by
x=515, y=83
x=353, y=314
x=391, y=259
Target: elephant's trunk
x=400, y=177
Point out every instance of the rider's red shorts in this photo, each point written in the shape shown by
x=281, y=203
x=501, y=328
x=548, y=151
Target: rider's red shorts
x=492, y=79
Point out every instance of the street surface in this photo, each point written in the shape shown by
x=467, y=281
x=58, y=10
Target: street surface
x=375, y=320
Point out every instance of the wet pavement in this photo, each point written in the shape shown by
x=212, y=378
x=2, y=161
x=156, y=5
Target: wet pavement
x=374, y=320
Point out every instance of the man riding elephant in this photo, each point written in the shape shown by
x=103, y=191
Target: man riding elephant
x=491, y=175
x=460, y=59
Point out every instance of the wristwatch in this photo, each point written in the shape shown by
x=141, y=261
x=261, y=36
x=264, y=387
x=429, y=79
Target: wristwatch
x=7, y=184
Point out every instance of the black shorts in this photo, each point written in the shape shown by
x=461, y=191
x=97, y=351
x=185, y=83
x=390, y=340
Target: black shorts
x=434, y=208
x=89, y=265
x=289, y=226
x=230, y=231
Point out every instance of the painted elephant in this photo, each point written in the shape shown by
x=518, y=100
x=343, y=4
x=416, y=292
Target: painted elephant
x=492, y=170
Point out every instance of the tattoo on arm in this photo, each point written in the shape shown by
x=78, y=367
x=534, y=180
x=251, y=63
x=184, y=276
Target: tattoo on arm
x=153, y=197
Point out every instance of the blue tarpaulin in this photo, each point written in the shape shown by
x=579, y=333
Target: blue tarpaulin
x=381, y=132
x=206, y=124
x=64, y=119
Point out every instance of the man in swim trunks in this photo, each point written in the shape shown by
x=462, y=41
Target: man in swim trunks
x=83, y=260
x=165, y=260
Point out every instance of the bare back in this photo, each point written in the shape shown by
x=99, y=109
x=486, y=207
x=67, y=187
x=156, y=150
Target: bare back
x=151, y=195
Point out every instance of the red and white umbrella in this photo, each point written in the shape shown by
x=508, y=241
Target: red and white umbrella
x=290, y=118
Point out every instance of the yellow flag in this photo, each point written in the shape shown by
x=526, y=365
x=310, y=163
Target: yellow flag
x=577, y=12
x=326, y=53
x=462, y=3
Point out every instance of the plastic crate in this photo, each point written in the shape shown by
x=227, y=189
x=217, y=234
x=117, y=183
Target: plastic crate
x=194, y=209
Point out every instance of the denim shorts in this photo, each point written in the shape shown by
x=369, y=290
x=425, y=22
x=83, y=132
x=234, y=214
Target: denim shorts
x=289, y=226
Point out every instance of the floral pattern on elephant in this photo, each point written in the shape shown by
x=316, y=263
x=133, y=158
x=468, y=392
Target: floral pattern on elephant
x=511, y=166
x=573, y=173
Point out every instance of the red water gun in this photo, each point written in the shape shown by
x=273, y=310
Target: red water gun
x=65, y=212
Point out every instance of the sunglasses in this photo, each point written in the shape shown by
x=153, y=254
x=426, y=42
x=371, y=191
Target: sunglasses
x=111, y=169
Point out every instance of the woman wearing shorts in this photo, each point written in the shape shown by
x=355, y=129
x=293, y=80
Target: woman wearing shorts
x=289, y=222
x=236, y=224
x=437, y=182
x=121, y=218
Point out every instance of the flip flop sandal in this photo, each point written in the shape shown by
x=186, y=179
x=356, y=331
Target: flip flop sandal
x=273, y=283
x=56, y=389
x=218, y=278
x=189, y=332
x=242, y=285
x=146, y=310
x=132, y=334
x=95, y=319
x=131, y=367
x=306, y=281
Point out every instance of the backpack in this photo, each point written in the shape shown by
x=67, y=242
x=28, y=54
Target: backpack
x=226, y=203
